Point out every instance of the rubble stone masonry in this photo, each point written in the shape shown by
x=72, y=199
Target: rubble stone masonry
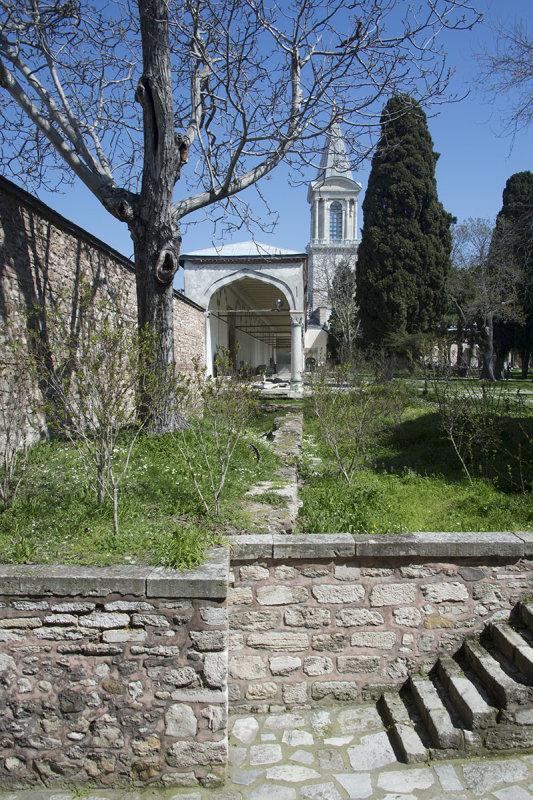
x=114, y=675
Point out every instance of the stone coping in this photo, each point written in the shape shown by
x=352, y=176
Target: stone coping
x=448, y=546
x=208, y=580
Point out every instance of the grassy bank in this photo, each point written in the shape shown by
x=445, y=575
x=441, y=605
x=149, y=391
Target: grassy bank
x=413, y=480
x=56, y=518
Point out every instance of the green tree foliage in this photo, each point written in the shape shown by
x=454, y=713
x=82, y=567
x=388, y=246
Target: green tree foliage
x=404, y=256
x=514, y=227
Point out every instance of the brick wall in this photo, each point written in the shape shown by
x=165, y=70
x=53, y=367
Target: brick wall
x=113, y=675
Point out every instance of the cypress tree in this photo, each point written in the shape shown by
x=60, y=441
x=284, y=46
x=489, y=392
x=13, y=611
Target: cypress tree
x=404, y=255
x=514, y=233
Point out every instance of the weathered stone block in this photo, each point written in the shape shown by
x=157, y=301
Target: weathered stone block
x=272, y=640
x=254, y=572
x=331, y=593
x=294, y=692
x=215, y=669
x=409, y=616
x=284, y=665
x=357, y=664
x=263, y=620
x=261, y=691
x=317, y=665
x=307, y=617
x=392, y=594
x=207, y=641
x=356, y=617
x=212, y=615
x=285, y=573
x=381, y=640
x=281, y=595
x=180, y=721
x=332, y=642
x=339, y=690
x=105, y=621
x=240, y=595
x=192, y=754
x=26, y=623
x=247, y=667
x=444, y=591
x=345, y=573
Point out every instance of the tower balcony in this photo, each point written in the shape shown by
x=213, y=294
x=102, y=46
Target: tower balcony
x=336, y=243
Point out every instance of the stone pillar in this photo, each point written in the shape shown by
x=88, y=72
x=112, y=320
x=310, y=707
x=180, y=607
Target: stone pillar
x=297, y=350
x=208, y=352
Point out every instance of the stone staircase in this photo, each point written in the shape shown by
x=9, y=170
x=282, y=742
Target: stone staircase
x=477, y=702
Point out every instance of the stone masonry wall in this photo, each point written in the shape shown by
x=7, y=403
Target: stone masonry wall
x=113, y=675
x=44, y=257
x=314, y=620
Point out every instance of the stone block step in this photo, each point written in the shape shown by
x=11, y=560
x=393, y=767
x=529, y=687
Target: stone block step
x=466, y=698
x=436, y=717
x=505, y=690
x=525, y=612
x=406, y=741
x=513, y=646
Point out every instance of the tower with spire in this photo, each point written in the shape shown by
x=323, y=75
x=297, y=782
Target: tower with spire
x=333, y=197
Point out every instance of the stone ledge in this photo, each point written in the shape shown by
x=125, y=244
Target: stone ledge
x=208, y=580
x=328, y=545
x=442, y=545
x=251, y=546
x=449, y=545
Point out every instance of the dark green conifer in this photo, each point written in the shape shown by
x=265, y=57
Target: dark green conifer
x=404, y=255
x=514, y=235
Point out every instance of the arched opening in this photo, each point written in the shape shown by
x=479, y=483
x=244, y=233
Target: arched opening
x=335, y=221
x=251, y=319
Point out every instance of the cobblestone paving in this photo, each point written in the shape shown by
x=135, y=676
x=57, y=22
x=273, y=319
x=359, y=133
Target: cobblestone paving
x=335, y=754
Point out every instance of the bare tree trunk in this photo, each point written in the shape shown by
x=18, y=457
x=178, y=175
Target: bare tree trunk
x=156, y=239
x=525, y=356
x=487, y=370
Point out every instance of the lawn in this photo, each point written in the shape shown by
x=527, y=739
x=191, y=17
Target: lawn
x=56, y=518
x=413, y=480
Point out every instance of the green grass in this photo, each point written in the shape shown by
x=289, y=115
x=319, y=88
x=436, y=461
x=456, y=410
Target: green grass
x=414, y=482
x=56, y=518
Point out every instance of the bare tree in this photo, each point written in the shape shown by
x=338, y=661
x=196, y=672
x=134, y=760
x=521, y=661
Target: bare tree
x=344, y=321
x=509, y=71
x=124, y=95
x=490, y=276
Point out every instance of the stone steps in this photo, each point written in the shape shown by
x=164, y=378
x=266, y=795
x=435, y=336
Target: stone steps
x=477, y=702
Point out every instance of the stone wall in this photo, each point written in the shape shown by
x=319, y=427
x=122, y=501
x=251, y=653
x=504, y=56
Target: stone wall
x=113, y=675
x=326, y=618
x=44, y=259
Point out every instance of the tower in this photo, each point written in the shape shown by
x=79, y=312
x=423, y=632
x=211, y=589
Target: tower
x=333, y=199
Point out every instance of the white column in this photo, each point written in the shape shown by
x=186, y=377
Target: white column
x=208, y=352
x=297, y=350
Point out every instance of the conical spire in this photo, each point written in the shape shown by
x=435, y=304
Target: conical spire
x=334, y=161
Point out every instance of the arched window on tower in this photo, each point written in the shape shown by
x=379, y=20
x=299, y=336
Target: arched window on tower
x=335, y=221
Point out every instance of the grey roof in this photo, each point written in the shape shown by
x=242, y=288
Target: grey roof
x=239, y=249
x=334, y=161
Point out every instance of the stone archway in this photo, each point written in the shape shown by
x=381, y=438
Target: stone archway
x=252, y=318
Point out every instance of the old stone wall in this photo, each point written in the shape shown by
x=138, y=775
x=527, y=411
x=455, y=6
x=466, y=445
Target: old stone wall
x=325, y=618
x=113, y=675
x=45, y=261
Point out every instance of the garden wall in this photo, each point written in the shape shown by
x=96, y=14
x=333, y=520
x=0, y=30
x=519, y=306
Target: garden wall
x=113, y=675
x=324, y=618
x=120, y=674
x=44, y=257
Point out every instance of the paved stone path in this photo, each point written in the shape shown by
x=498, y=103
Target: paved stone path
x=336, y=754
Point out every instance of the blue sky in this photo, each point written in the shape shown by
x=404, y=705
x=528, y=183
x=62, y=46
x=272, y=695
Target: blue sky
x=476, y=156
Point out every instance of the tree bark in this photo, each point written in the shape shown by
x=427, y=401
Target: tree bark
x=487, y=370
x=156, y=238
